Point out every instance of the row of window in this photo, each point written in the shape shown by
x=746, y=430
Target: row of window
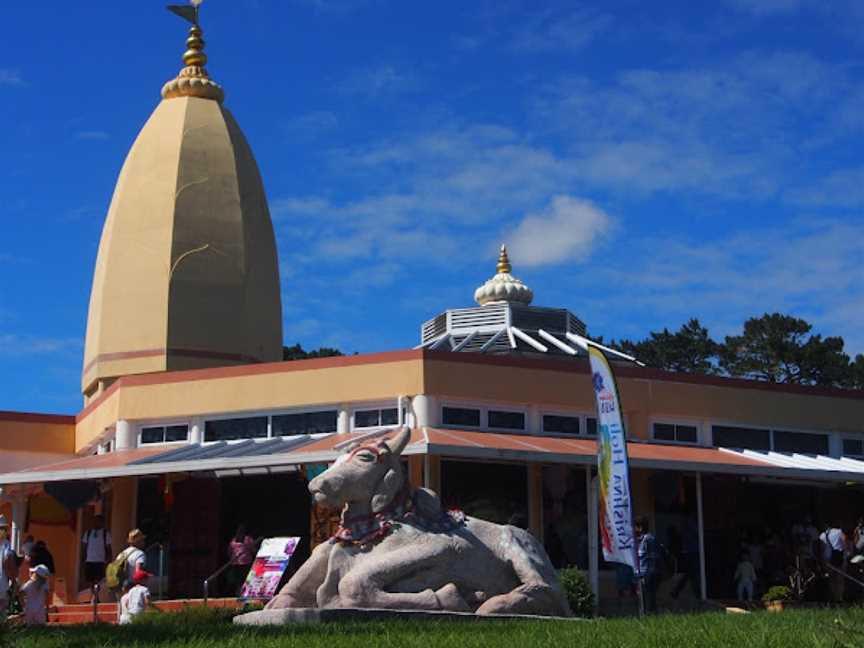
x=277, y=425
x=301, y=423
x=473, y=417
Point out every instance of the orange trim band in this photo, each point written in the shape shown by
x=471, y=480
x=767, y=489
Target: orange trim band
x=171, y=351
x=34, y=417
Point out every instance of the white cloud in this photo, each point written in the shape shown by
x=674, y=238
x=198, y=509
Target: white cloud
x=566, y=230
x=841, y=188
x=10, y=77
x=19, y=345
x=762, y=7
x=810, y=268
x=375, y=81
x=311, y=123
x=733, y=129
x=549, y=29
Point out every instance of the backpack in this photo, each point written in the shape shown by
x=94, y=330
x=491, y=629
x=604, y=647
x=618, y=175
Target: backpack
x=115, y=572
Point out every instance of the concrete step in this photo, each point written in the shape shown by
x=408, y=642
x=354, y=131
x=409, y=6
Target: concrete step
x=80, y=613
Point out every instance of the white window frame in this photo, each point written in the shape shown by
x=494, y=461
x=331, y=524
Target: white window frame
x=462, y=405
x=269, y=413
x=709, y=432
x=711, y=423
x=152, y=424
x=852, y=437
x=300, y=410
x=583, y=424
x=669, y=420
x=378, y=405
x=484, y=417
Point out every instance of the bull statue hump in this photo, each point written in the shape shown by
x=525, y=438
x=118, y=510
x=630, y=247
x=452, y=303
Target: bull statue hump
x=397, y=549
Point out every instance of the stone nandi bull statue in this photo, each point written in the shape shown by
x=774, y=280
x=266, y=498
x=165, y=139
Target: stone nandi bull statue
x=397, y=549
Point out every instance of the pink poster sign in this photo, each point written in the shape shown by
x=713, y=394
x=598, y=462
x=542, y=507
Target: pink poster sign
x=269, y=566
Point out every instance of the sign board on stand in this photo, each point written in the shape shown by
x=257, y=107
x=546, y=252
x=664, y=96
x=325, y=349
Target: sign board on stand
x=269, y=567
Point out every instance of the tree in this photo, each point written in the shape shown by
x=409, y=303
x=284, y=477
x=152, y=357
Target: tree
x=297, y=352
x=781, y=349
x=689, y=350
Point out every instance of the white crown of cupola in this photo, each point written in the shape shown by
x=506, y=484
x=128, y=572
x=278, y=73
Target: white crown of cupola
x=503, y=287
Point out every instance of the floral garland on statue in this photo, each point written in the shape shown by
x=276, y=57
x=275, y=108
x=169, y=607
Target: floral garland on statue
x=365, y=530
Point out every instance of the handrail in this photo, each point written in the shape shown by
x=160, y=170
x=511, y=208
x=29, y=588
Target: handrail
x=96, y=587
x=160, y=573
x=844, y=574
x=212, y=576
x=219, y=571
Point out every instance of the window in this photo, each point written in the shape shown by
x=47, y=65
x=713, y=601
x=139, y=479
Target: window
x=741, y=437
x=304, y=423
x=800, y=442
x=506, y=420
x=561, y=424
x=375, y=417
x=164, y=433
x=591, y=426
x=676, y=433
x=460, y=416
x=253, y=427
x=853, y=448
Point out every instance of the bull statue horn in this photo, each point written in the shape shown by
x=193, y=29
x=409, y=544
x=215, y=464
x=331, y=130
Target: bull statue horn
x=397, y=444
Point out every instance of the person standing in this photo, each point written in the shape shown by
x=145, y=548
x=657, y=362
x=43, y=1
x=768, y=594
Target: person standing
x=134, y=553
x=96, y=551
x=35, y=593
x=135, y=599
x=241, y=553
x=646, y=563
x=833, y=543
x=39, y=555
x=8, y=567
x=745, y=578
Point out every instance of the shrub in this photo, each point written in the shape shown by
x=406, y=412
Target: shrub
x=777, y=593
x=578, y=591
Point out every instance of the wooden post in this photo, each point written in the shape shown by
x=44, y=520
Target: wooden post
x=415, y=470
x=593, y=534
x=432, y=473
x=703, y=586
x=535, y=499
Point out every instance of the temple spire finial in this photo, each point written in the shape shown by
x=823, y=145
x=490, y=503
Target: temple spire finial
x=193, y=80
x=503, y=261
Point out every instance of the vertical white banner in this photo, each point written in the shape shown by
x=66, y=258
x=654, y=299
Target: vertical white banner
x=616, y=511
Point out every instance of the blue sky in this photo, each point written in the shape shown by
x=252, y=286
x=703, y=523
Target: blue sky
x=646, y=162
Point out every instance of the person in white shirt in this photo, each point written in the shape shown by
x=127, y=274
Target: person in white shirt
x=8, y=567
x=833, y=544
x=134, y=553
x=135, y=600
x=35, y=593
x=96, y=550
x=745, y=578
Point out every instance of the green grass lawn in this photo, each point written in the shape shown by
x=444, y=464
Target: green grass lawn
x=829, y=628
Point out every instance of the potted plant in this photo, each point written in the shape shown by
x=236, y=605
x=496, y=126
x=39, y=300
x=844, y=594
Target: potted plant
x=775, y=598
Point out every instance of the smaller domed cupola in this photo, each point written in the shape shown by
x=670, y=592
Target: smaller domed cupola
x=503, y=287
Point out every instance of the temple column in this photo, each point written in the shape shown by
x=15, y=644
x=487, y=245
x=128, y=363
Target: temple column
x=124, y=435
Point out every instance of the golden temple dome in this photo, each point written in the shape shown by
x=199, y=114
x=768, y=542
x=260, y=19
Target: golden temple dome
x=187, y=272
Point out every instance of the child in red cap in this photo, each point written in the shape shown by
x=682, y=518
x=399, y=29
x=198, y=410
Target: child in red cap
x=136, y=598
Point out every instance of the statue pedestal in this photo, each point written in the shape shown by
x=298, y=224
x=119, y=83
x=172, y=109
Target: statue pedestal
x=287, y=616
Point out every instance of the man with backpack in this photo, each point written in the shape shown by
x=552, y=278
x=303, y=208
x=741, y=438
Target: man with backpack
x=96, y=550
x=130, y=560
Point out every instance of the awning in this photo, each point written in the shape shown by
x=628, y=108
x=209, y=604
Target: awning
x=261, y=456
x=843, y=468
x=250, y=456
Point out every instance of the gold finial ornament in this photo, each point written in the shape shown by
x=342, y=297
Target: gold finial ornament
x=193, y=80
x=503, y=262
